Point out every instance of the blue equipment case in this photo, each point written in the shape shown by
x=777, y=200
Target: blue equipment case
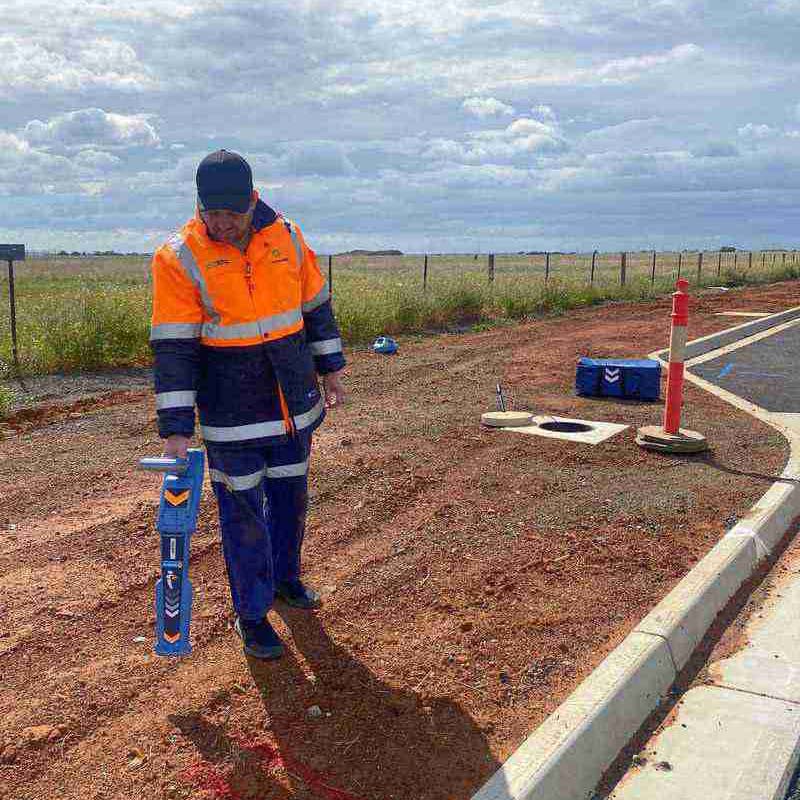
x=637, y=379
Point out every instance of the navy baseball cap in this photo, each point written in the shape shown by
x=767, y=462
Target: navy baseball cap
x=224, y=181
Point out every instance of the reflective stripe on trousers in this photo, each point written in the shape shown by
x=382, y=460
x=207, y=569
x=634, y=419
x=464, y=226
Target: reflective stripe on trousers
x=262, y=498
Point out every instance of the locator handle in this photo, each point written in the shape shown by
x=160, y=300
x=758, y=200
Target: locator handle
x=175, y=466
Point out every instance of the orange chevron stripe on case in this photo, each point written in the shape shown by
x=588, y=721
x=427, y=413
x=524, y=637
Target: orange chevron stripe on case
x=177, y=499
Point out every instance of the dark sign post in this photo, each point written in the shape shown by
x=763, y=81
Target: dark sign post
x=12, y=253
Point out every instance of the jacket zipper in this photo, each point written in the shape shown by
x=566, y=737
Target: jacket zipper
x=287, y=419
x=248, y=277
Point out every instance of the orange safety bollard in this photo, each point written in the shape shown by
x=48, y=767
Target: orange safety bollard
x=677, y=348
x=670, y=437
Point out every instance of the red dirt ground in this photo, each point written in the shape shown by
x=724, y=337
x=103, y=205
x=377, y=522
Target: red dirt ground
x=471, y=577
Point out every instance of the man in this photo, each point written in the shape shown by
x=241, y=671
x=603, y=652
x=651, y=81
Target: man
x=242, y=326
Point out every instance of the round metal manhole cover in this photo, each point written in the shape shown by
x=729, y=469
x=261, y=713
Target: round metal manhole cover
x=565, y=427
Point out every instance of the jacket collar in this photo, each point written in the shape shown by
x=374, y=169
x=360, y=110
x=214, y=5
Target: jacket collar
x=263, y=217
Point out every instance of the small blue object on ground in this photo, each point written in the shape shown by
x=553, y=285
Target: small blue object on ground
x=385, y=345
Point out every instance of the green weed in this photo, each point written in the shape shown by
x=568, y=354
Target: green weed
x=6, y=401
x=89, y=314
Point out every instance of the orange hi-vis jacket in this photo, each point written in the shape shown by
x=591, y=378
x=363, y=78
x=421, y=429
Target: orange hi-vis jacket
x=242, y=336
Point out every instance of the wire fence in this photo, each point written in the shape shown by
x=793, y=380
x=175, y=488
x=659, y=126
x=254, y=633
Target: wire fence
x=79, y=313
x=593, y=269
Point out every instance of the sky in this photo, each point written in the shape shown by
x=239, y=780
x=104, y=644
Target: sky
x=454, y=126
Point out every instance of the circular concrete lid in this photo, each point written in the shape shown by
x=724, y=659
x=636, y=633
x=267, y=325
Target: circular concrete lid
x=506, y=419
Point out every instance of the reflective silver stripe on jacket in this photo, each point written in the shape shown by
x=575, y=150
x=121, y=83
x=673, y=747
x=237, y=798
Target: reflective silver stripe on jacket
x=326, y=347
x=247, y=330
x=288, y=470
x=298, y=248
x=183, y=399
x=323, y=295
x=237, y=483
x=187, y=261
x=175, y=330
x=238, y=433
x=261, y=430
x=309, y=417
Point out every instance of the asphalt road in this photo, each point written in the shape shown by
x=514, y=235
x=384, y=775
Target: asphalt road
x=764, y=373
x=746, y=329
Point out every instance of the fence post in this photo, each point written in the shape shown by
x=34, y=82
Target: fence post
x=594, y=261
x=783, y=261
x=623, y=263
x=680, y=262
x=699, y=264
x=546, y=267
x=425, y=274
x=12, y=302
x=719, y=263
x=653, y=270
x=491, y=267
x=330, y=274
x=750, y=260
x=735, y=258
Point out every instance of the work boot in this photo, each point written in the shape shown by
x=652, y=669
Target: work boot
x=260, y=639
x=296, y=593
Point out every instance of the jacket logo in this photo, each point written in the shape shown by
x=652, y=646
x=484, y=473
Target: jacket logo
x=218, y=263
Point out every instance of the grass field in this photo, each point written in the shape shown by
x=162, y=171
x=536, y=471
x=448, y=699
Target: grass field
x=90, y=313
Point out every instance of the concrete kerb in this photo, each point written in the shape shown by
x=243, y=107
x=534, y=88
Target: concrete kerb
x=566, y=756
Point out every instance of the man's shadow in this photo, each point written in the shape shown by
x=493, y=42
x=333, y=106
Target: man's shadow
x=368, y=740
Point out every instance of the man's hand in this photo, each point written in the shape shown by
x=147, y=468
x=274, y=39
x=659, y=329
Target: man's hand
x=176, y=446
x=335, y=394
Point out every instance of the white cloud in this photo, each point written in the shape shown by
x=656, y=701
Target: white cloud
x=92, y=127
x=522, y=140
x=74, y=65
x=319, y=158
x=650, y=135
x=627, y=69
x=486, y=106
x=12, y=145
x=756, y=131
x=96, y=159
x=22, y=168
x=717, y=149
x=544, y=113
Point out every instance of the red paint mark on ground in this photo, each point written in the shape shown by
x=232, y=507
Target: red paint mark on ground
x=206, y=776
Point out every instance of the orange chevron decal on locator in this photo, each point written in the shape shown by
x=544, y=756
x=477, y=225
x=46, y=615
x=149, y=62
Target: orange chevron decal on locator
x=172, y=638
x=177, y=498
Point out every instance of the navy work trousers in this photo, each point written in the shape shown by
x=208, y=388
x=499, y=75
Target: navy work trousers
x=262, y=497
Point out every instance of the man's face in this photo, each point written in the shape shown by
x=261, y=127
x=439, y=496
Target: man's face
x=228, y=226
